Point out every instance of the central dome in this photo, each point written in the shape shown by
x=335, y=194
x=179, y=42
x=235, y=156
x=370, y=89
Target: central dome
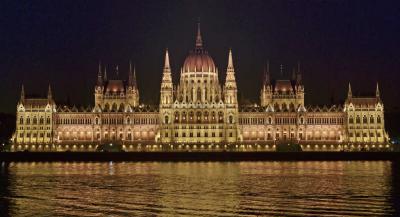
x=199, y=60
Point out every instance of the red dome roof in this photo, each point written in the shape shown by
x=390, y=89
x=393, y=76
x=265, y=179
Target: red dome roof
x=198, y=61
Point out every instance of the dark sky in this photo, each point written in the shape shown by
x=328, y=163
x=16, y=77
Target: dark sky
x=61, y=42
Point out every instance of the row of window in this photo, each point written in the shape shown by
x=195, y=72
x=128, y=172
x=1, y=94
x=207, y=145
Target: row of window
x=107, y=121
x=365, y=120
x=358, y=134
x=41, y=135
x=34, y=120
x=198, y=134
x=289, y=120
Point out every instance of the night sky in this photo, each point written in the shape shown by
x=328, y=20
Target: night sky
x=61, y=42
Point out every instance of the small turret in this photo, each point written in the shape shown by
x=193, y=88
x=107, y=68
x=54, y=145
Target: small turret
x=99, y=76
x=22, y=98
x=49, y=94
x=130, y=76
x=377, y=92
x=105, y=73
x=349, y=93
x=298, y=77
x=267, y=79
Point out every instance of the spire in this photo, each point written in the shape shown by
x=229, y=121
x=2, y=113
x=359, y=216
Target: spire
x=166, y=63
x=99, y=77
x=22, y=98
x=105, y=73
x=349, y=93
x=230, y=61
x=49, y=94
x=230, y=72
x=117, y=71
x=199, y=41
x=298, y=67
x=377, y=93
x=267, y=80
x=294, y=78
x=134, y=76
x=299, y=78
x=130, y=76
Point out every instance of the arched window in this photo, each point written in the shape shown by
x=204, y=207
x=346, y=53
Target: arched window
x=107, y=107
x=358, y=120
x=198, y=94
x=230, y=119
x=365, y=120
x=191, y=116
x=34, y=120
x=378, y=119
x=48, y=120
x=21, y=120
x=371, y=119
x=206, y=116
x=301, y=120
x=28, y=121
x=269, y=120
x=220, y=116
x=184, y=116
x=351, y=120
x=128, y=121
x=114, y=107
x=166, y=119
x=96, y=121
x=198, y=117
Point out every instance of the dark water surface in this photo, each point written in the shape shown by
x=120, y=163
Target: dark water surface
x=201, y=189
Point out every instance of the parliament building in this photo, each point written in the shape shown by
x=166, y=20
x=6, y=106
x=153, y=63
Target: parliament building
x=200, y=113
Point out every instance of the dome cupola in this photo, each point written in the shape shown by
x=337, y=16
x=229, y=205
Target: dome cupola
x=198, y=60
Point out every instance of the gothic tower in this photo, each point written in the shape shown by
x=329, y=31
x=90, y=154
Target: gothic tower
x=266, y=90
x=166, y=100
x=132, y=91
x=231, y=103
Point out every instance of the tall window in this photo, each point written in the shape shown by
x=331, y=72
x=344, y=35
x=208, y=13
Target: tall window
x=365, y=119
x=21, y=120
x=378, y=119
x=199, y=94
x=371, y=119
x=230, y=119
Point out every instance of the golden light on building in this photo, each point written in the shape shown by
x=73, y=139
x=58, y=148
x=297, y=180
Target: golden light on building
x=199, y=109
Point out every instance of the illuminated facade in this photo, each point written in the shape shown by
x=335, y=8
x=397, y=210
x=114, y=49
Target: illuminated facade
x=199, y=113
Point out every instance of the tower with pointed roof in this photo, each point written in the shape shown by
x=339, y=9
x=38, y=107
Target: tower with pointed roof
x=231, y=102
x=166, y=97
x=132, y=91
x=166, y=101
x=266, y=89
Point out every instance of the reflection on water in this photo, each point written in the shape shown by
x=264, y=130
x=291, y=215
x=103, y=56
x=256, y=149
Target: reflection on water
x=200, y=189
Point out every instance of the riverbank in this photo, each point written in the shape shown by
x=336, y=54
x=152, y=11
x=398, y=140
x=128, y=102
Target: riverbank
x=195, y=156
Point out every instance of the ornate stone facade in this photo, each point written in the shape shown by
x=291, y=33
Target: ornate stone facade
x=199, y=113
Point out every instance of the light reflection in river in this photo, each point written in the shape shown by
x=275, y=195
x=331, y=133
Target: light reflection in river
x=200, y=189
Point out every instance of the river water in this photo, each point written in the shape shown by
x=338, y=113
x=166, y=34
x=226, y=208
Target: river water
x=343, y=188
